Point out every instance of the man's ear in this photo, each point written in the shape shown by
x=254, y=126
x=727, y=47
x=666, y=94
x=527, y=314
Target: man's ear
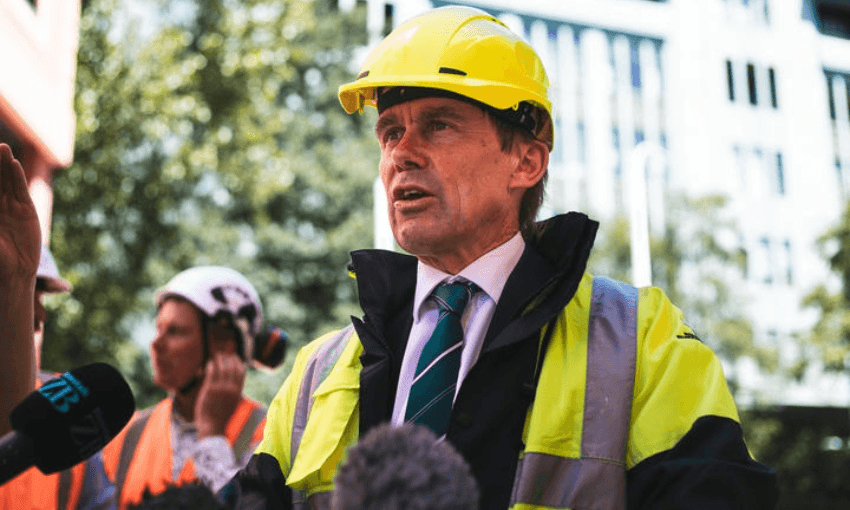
x=532, y=163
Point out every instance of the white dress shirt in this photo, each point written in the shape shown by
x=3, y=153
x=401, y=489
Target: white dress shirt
x=490, y=272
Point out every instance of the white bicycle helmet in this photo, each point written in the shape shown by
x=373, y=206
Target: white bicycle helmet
x=220, y=292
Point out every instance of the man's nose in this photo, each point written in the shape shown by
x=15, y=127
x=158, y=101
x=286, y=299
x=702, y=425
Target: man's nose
x=408, y=152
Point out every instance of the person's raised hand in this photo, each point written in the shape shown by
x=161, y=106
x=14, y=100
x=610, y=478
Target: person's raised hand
x=20, y=234
x=221, y=391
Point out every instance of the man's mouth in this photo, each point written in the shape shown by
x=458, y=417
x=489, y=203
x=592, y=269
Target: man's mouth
x=412, y=194
x=409, y=194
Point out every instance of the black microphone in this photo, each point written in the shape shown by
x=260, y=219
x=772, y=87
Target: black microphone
x=66, y=421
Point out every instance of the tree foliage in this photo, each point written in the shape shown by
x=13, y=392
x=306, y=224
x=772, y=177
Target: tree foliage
x=219, y=139
x=829, y=340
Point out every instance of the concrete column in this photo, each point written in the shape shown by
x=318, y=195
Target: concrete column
x=567, y=109
x=597, y=81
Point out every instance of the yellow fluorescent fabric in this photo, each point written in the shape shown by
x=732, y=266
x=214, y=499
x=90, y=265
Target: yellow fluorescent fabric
x=677, y=379
x=523, y=506
x=278, y=430
x=325, y=440
x=555, y=426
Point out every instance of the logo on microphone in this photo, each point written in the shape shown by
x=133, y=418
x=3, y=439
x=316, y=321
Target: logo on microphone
x=90, y=433
x=64, y=391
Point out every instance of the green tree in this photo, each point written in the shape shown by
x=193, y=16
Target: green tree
x=829, y=340
x=218, y=140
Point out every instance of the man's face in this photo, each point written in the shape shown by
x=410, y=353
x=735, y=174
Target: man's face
x=450, y=188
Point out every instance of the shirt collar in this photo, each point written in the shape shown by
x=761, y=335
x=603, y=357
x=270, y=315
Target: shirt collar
x=490, y=272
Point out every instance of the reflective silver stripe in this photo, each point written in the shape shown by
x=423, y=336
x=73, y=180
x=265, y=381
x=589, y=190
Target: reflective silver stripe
x=299, y=500
x=598, y=479
x=318, y=501
x=556, y=482
x=63, y=492
x=319, y=366
x=611, y=352
x=243, y=440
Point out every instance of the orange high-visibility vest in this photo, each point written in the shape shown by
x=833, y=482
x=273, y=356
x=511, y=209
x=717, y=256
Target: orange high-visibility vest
x=139, y=458
x=34, y=490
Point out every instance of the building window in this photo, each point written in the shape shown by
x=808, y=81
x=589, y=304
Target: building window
x=833, y=17
x=388, y=19
x=764, y=261
x=771, y=76
x=831, y=92
x=788, y=262
x=730, y=80
x=780, y=175
x=751, y=84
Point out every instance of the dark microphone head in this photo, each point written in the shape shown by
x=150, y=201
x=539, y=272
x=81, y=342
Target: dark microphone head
x=270, y=347
x=74, y=415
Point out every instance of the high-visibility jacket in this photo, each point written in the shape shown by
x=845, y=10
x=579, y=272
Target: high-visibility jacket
x=139, y=458
x=63, y=490
x=587, y=394
x=577, y=432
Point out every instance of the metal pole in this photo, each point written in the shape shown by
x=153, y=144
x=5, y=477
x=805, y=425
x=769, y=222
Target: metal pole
x=638, y=215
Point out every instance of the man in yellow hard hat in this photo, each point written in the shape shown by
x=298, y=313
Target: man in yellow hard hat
x=560, y=389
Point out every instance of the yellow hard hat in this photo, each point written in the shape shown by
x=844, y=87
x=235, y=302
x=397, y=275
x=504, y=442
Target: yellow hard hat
x=461, y=50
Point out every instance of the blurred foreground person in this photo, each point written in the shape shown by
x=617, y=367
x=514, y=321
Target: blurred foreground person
x=561, y=389
x=208, y=330
x=20, y=240
x=84, y=486
x=404, y=468
x=184, y=497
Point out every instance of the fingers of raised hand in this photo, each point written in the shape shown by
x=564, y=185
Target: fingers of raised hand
x=20, y=234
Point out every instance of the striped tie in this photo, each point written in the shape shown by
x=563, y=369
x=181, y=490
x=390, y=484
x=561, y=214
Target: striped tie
x=433, y=389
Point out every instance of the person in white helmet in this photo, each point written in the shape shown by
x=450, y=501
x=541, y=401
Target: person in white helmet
x=208, y=330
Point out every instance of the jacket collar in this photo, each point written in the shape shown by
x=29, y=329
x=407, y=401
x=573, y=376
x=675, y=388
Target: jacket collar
x=547, y=275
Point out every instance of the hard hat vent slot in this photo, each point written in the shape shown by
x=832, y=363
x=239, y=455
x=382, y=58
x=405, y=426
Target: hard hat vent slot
x=450, y=70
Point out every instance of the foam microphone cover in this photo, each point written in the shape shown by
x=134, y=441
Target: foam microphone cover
x=74, y=415
x=270, y=346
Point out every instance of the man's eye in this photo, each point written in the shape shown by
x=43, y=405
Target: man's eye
x=439, y=126
x=391, y=135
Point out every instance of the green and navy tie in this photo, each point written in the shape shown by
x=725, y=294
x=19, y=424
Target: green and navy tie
x=433, y=388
